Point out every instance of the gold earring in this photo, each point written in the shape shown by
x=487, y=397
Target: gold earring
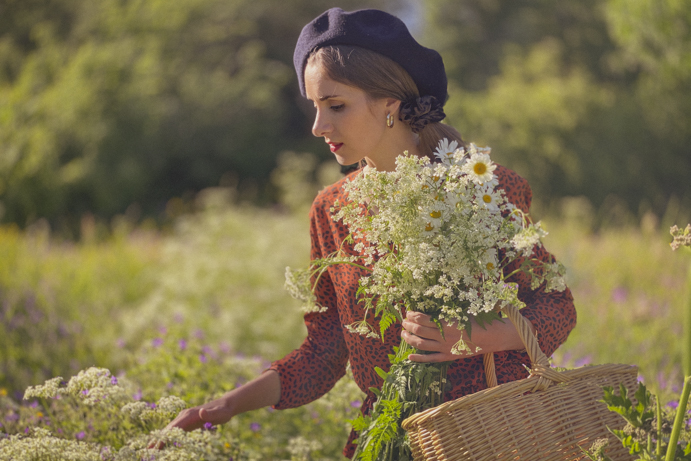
x=389, y=120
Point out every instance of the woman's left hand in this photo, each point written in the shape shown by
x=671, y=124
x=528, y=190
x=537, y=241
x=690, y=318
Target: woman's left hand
x=422, y=333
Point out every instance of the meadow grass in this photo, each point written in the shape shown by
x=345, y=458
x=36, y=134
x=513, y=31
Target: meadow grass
x=200, y=308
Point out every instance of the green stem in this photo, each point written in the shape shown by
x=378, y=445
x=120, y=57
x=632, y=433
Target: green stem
x=678, y=420
x=686, y=343
x=658, y=411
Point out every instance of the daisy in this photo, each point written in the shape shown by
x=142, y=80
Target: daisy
x=446, y=150
x=479, y=168
x=489, y=197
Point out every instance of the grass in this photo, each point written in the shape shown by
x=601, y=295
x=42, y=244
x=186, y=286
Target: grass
x=133, y=299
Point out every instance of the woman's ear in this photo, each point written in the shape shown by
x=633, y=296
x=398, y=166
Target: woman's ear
x=392, y=105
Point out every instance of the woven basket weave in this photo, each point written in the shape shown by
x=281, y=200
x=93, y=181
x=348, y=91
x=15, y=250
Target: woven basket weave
x=545, y=417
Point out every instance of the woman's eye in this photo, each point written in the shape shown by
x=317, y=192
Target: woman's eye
x=337, y=107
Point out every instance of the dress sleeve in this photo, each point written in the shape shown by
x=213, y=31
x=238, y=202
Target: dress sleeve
x=553, y=314
x=313, y=369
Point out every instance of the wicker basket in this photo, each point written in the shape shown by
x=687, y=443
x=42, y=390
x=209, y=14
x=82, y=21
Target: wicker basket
x=544, y=417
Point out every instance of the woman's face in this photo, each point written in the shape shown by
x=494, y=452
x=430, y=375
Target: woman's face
x=353, y=126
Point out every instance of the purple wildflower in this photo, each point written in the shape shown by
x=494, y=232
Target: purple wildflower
x=114, y=381
x=80, y=435
x=163, y=331
x=209, y=427
x=120, y=343
x=255, y=427
x=583, y=361
x=355, y=404
x=673, y=404
x=619, y=295
x=157, y=342
x=202, y=358
x=182, y=344
x=152, y=405
x=137, y=395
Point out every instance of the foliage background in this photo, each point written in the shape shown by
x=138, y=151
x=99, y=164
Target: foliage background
x=120, y=106
x=137, y=138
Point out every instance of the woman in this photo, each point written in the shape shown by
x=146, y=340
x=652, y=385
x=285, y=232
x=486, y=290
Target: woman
x=378, y=93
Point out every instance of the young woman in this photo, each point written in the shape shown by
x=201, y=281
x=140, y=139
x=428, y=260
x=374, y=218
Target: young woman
x=378, y=93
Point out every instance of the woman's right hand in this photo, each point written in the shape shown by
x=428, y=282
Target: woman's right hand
x=216, y=412
x=262, y=391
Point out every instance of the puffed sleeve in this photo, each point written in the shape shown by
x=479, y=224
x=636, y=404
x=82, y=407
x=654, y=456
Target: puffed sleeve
x=313, y=369
x=553, y=314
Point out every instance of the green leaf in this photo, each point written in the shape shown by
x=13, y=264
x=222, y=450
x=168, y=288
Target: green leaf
x=382, y=374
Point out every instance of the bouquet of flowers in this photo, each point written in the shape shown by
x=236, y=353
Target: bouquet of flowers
x=437, y=238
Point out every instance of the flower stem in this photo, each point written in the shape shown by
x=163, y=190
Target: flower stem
x=679, y=419
x=658, y=412
x=686, y=343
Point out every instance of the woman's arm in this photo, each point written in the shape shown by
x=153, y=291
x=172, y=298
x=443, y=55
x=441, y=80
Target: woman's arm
x=421, y=333
x=261, y=392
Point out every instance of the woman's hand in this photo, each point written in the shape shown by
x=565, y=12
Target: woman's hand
x=262, y=391
x=216, y=412
x=422, y=333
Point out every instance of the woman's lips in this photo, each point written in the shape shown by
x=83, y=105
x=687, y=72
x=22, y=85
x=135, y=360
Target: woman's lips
x=335, y=146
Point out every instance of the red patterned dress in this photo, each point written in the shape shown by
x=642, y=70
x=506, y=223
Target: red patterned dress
x=310, y=371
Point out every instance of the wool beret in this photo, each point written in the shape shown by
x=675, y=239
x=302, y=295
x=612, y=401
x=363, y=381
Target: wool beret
x=376, y=31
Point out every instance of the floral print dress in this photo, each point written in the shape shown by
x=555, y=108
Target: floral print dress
x=313, y=369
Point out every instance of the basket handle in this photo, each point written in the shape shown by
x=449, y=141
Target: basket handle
x=539, y=361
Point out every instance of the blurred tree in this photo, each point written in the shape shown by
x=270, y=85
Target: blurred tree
x=582, y=98
x=104, y=104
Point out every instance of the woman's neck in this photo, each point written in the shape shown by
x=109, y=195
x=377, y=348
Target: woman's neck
x=399, y=144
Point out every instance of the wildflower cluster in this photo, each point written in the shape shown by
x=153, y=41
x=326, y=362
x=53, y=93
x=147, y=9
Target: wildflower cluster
x=439, y=237
x=92, y=386
x=680, y=237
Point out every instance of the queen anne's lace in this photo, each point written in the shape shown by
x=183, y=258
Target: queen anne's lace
x=438, y=236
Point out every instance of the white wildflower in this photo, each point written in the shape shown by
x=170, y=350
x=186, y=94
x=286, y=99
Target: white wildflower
x=479, y=168
x=528, y=238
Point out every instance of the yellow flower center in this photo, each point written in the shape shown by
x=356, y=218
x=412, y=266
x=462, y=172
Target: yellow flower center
x=449, y=154
x=487, y=198
x=480, y=168
x=39, y=414
x=435, y=214
x=435, y=178
x=490, y=266
x=3, y=392
x=429, y=227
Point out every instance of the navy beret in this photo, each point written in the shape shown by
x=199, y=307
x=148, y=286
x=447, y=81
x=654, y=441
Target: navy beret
x=376, y=31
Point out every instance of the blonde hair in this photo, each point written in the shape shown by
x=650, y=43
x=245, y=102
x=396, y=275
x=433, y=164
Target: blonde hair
x=379, y=77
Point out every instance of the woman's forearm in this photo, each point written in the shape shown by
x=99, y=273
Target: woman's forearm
x=261, y=392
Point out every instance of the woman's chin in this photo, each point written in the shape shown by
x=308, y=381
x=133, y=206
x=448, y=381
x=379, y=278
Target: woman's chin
x=345, y=161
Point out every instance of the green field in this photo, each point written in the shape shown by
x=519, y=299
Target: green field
x=199, y=307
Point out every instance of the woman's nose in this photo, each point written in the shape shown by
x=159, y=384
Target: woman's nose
x=321, y=126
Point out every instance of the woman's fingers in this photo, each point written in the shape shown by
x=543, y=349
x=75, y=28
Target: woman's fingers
x=420, y=319
x=217, y=414
x=420, y=342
